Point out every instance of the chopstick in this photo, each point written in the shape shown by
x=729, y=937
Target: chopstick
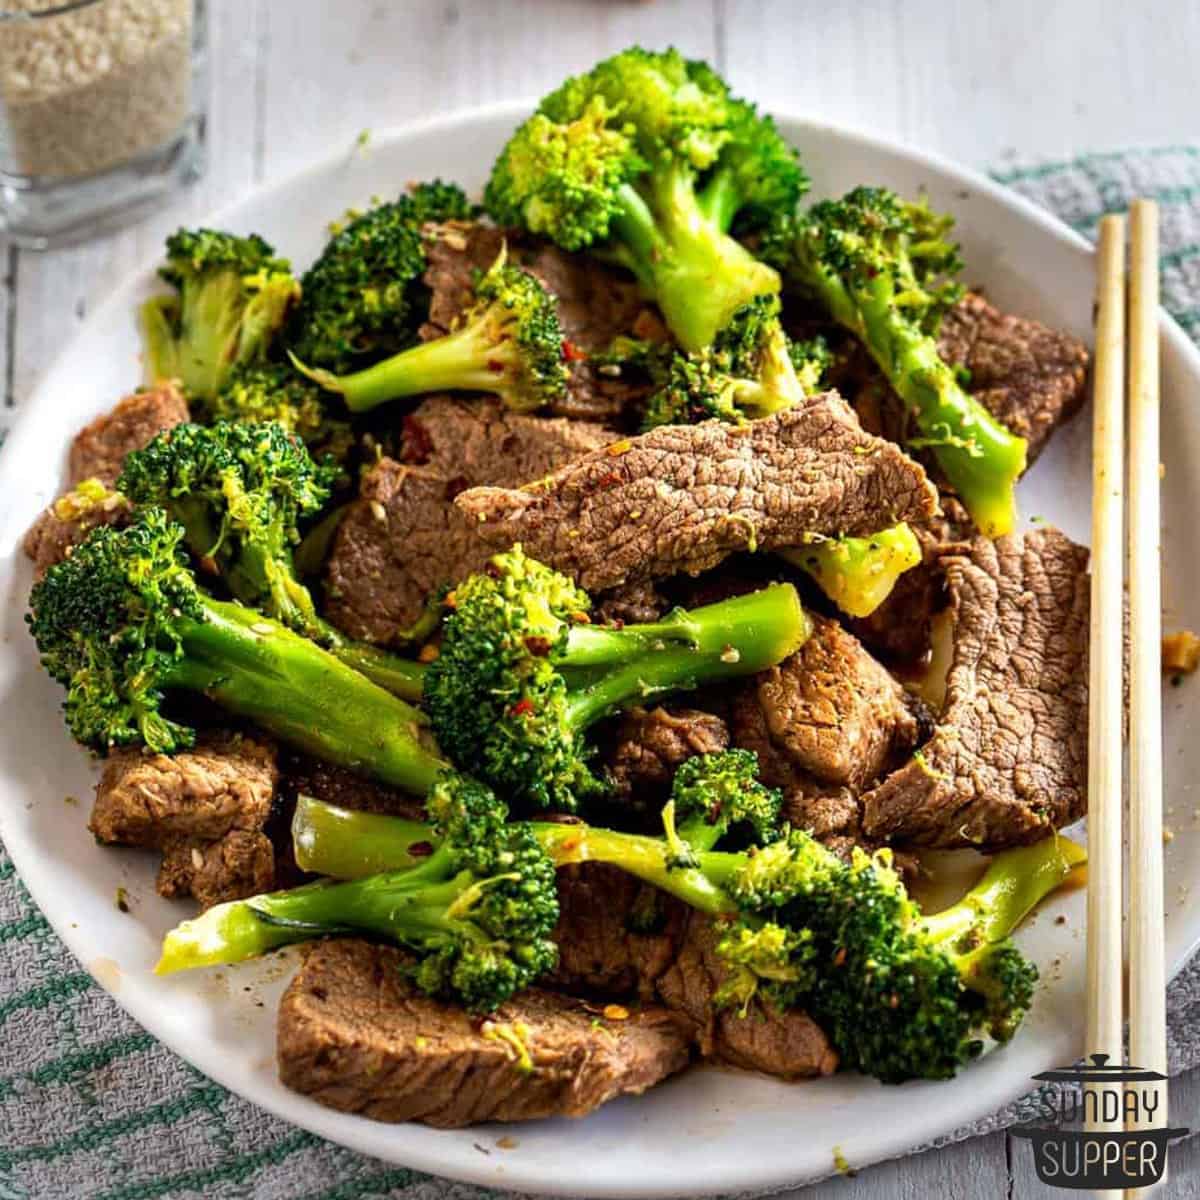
x=1105, y=694
x=1147, y=968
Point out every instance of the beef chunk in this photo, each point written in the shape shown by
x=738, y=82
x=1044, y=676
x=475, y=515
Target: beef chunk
x=343, y=787
x=66, y=522
x=403, y=538
x=648, y=744
x=98, y=451
x=1029, y=377
x=205, y=809
x=683, y=497
x=595, y=303
x=621, y=938
x=1007, y=762
x=631, y=604
x=615, y=934
x=355, y=1035
x=239, y=864
x=831, y=710
x=787, y=1044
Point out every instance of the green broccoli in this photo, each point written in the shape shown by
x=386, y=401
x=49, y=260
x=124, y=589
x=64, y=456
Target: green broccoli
x=649, y=160
x=880, y=267
x=363, y=299
x=521, y=673
x=748, y=372
x=240, y=492
x=277, y=392
x=121, y=622
x=858, y=573
x=231, y=297
x=476, y=914
x=508, y=342
x=900, y=994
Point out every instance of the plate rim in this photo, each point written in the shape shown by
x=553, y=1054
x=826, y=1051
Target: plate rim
x=302, y=1111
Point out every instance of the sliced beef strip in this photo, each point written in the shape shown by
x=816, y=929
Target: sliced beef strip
x=684, y=497
x=404, y=538
x=356, y=1036
x=595, y=304
x=205, y=809
x=65, y=523
x=99, y=449
x=98, y=452
x=832, y=710
x=1028, y=376
x=1007, y=762
x=649, y=743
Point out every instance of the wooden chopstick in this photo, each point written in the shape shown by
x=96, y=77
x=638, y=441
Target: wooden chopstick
x=1105, y=695
x=1147, y=967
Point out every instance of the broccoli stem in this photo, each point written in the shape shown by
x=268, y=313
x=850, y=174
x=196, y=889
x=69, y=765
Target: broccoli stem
x=418, y=904
x=258, y=668
x=858, y=573
x=739, y=636
x=980, y=458
x=1015, y=882
x=467, y=360
x=266, y=568
x=335, y=841
x=698, y=275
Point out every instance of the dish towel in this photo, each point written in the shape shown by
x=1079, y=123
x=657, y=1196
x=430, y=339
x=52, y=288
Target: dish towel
x=87, y=1095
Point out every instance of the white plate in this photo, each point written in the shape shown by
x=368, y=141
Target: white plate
x=707, y=1130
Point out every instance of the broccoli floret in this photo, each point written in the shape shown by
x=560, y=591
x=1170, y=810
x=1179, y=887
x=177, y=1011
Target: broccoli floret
x=476, y=915
x=277, y=392
x=508, y=342
x=241, y=492
x=881, y=267
x=900, y=994
x=714, y=793
x=232, y=295
x=748, y=372
x=521, y=673
x=858, y=573
x=363, y=299
x=121, y=622
x=812, y=360
x=648, y=159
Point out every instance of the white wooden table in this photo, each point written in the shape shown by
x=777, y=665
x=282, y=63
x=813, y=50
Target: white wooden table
x=978, y=80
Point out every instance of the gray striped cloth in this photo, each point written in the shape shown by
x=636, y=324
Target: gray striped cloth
x=91, y=1106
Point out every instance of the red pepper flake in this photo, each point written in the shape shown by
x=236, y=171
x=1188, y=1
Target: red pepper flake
x=495, y=366
x=428, y=653
x=571, y=352
x=522, y=708
x=581, y=618
x=420, y=850
x=840, y=957
x=539, y=647
x=611, y=479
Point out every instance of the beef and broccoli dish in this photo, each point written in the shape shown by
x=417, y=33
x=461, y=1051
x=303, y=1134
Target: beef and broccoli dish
x=572, y=612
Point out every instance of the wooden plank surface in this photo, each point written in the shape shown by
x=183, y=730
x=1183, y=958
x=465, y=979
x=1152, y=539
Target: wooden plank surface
x=979, y=81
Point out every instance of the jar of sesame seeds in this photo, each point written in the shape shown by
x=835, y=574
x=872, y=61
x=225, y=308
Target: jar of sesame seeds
x=101, y=113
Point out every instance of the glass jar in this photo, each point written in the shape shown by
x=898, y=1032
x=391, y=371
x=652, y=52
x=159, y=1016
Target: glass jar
x=101, y=112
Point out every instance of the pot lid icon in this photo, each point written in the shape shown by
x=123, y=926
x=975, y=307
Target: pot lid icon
x=1100, y=1070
